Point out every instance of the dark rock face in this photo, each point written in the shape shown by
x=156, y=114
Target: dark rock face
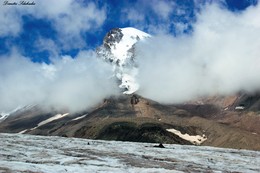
x=134, y=100
x=249, y=102
x=148, y=132
x=112, y=37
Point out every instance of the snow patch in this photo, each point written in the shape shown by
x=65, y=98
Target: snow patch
x=56, y=117
x=23, y=131
x=239, y=108
x=130, y=37
x=78, y=118
x=197, y=139
x=129, y=82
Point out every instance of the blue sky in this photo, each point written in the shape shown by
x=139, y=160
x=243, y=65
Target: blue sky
x=48, y=29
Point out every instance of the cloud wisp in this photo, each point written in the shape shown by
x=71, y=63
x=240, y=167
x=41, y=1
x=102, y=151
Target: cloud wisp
x=160, y=17
x=221, y=56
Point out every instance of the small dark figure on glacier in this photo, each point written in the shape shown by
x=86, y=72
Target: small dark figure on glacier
x=159, y=146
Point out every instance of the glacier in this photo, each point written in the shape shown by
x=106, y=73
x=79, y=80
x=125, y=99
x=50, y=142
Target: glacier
x=49, y=154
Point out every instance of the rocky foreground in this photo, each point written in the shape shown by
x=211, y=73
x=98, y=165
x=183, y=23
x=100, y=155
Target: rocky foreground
x=30, y=153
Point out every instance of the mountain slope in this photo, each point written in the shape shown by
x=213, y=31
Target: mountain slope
x=146, y=121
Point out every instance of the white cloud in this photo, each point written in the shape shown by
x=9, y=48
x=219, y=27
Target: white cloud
x=157, y=17
x=49, y=45
x=163, y=8
x=73, y=84
x=133, y=15
x=10, y=21
x=221, y=56
x=69, y=18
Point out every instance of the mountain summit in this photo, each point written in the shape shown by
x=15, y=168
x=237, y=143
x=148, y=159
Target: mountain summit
x=118, y=48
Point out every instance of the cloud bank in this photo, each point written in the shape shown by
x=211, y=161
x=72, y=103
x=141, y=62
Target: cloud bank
x=66, y=83
x=70, y=84
x=221, y=56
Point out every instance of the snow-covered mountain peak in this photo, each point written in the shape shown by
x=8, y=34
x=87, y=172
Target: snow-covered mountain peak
x=119, y=49
x=123, y=49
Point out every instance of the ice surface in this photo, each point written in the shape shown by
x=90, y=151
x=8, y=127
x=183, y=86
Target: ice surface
x=28, y=153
